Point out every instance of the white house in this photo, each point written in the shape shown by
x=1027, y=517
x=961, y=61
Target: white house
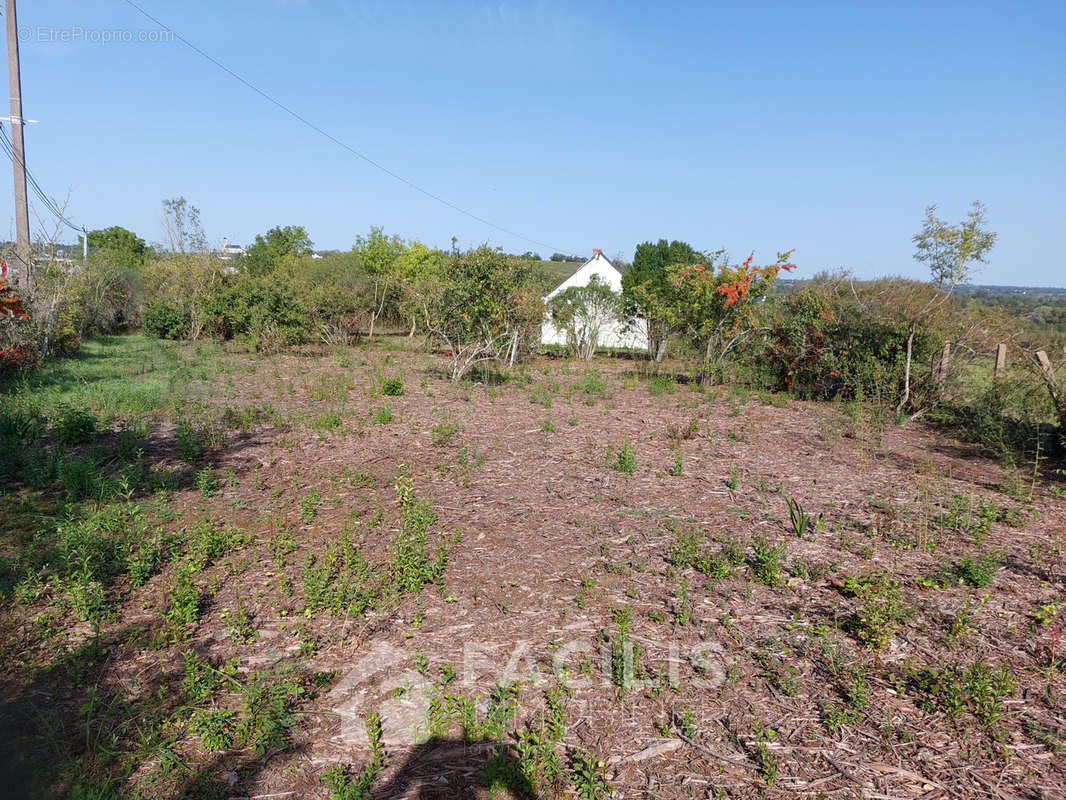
x=228, y=251
x=613, y=332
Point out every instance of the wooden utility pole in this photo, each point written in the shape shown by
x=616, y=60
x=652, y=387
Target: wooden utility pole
x=23, y=278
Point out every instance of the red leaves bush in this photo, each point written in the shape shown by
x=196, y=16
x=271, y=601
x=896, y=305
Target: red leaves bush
x=18, y=358
x=10, y=305
x=15, y=355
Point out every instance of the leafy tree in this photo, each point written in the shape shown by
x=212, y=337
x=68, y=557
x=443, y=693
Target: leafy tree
x=952, y=253
x=379, y=255
x=181, y=285
x=419, y=269
x=581, y=312
x=648, y=291
x=483, y=305
x=718, y=308
x=181, y=223
x=105, y=294
x=121, y=248
x=279, y=247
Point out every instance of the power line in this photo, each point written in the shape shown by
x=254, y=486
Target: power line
x=49, y=203
x=303, y=120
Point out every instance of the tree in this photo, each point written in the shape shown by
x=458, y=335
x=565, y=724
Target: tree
x=119, y=247
x=952, y=253
x=485, y=303
x=581, y=312
x=279, y=247
x=379, y=255
x=718, y=308
x=648, y=292
x=418, y=270
x=181, y=224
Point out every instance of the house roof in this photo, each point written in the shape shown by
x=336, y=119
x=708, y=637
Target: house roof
x=597, y=265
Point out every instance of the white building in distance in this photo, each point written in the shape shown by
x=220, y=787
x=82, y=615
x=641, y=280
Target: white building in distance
x=229, y=252
x=613, y=332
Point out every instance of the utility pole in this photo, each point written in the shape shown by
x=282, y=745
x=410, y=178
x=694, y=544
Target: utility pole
x=23, y=278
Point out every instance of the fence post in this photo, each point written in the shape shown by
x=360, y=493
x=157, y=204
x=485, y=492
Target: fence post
x=1001, y=360
x=1057, y=396
x=1048, y=370
x=942, y=370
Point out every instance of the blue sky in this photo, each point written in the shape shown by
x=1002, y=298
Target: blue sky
x=824, y=127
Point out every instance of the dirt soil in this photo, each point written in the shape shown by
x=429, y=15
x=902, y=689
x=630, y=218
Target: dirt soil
x=817, y=686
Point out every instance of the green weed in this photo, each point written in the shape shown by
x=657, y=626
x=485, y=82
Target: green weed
x=767, y=560
x=881, y=610
x=589, y=776
x=207, y=482
x=73, y=426
x=214, y=728
x=625, y=460
x=443, y=432
x=978, y=688
x=392, y=387
x=797, y=517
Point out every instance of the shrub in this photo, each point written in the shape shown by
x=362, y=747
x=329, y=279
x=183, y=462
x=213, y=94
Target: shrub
x=18, y=351
x=267, y=312
x=342, y=783
x=410, y=568
x=19, y=358
x=839, y=336
x=73, y=425
x=79, y=477
x=589, y=775
x=485, y=309
x=166, y=320
x=581, y=312
x=188, y=441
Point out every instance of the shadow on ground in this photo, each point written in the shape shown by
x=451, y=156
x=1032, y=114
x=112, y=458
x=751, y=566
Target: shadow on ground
x=447, y=769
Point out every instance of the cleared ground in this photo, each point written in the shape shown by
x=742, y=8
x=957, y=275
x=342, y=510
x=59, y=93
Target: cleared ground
x=571, y=580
